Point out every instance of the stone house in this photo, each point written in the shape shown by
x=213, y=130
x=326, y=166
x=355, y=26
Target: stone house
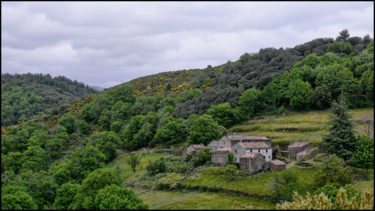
x=252, y=162
x=214, y=145
x=253, y=147
x=229, y=141
x=307, y=154
x=191, y=148
x=277, y=165
x=220, y=156
x=296, y=148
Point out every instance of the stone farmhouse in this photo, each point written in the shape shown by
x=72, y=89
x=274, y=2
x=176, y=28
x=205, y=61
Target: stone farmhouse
x=191, y=148
x=220, y=156
x=253, y=147
x=301, y=150
x=277, y=165
x=252, y=162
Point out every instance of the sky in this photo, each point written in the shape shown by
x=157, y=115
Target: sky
x=108, y=43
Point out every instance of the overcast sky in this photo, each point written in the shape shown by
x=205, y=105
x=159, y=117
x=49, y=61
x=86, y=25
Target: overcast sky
x=108, y=43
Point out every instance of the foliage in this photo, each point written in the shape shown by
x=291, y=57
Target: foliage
x=249, y=102
x=230, y=159
x=322, y=202
x=16, y=198
x=203, y=130
x=65, y=195
x=114, y=197
x=200, y=158
x=86, y=193
x=172, y=132
x=340, y=140
x=363, y=157
x=332, y=171
x=156, y=166
x=283, y=184
x=222, y=114
x=25, y=95
x=133, y=161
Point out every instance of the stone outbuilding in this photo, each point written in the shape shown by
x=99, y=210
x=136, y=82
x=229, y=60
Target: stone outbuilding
x=220, y=156
x=214, y=145
x=252, y=162
x=253, y=147
x=307, y=154
x=277, y=165
x=191, y=148
x=296, y=148
x=229, y=141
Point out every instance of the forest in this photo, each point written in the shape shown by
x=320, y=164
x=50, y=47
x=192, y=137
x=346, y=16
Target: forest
x=61, y=159
x=26, y=95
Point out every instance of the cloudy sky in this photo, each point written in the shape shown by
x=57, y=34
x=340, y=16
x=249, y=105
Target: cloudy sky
x=108, y=43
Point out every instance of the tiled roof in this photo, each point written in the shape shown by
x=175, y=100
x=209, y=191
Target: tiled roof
x=263, y=138
x=299, y=144
x=225, y=149
x=248, y=155
x=254, y=145
x=277, y=162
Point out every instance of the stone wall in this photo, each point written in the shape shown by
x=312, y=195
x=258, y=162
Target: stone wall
x=307, y=154
x=293, y=151
x=252, y=164
x=274, y=167
x=219, y=157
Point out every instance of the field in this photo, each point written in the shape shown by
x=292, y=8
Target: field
x=210, y=188
x=302, y=126
x=174, y=200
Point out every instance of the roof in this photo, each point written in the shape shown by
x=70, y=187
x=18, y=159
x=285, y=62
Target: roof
x=277, y=162
x=197, y=146
x=263, y=138
x=248, y=155
x=213, y=144
x=224, y=149
x=299, y=144
x=255, y=145
x=232, y=138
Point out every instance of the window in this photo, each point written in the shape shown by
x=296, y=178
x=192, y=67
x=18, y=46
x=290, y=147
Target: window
x=266, y=150
x=235, y=151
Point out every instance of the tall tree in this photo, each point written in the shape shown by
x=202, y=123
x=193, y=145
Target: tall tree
x=343, y=35
x=340, y=140
x=204, y=130
x=363, y=157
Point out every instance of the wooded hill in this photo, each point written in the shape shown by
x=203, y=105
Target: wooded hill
x=24, y=95
x=56, y=161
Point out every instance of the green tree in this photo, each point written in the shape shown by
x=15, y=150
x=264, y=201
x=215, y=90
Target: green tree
x=249, y=103
x=16, y=198
x=68, y=120
x=114, y=197
x=343, y=35
x=156, y=166
x=340, y=140
x=283, y=184
x=230, y=159
x=133, y=161
x=363, y=157
x=332, y=171
x=86, y=193
x=204, y=130
x=65, y=195
x=222, y=114
x=321, y=97
x=299, y=93
x=173, y=132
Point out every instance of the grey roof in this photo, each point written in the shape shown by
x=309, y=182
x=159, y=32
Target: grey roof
x=248, y=155
x=255, y=145
x=263, y=138
x=213, y=144
x=299, y=144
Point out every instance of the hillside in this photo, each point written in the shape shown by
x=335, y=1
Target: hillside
x=25, y=95
x=88, y=141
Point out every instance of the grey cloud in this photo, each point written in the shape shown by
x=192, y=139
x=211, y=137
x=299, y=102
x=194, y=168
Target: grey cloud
x=107, y=43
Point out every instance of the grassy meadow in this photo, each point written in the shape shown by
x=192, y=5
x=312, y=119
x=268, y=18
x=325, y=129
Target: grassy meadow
x=298, y=126
x=210, y=188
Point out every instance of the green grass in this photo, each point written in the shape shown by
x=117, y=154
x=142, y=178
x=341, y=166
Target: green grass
x=365, y=186
x=174, y=200
x=308, y=126
x=256, y=185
